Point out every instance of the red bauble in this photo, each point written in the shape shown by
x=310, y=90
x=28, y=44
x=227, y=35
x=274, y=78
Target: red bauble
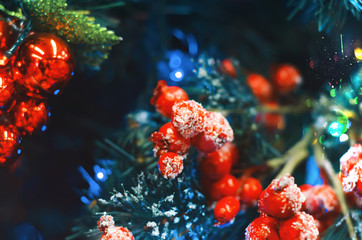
x=105, y=222
x=9, y=144
x=188, y=117
x=282, y=198
x=216, y=133
x=167, y=139
x=250, y=191
x=300, y=227
x=286, y=78
x=7, y=39
x=226, y=186
x=164, y=97
x=350, y=158
x=226, y=209
x=260, y=87
x=30, y=115
x=7, y=91
x=215, y=165
x=228, y=67
x=170, y=165
x=43, y=63
x=230, y=150
x=117, y=233
x=262, y=228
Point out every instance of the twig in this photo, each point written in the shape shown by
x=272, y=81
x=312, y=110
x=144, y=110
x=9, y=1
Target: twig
x=293, y=162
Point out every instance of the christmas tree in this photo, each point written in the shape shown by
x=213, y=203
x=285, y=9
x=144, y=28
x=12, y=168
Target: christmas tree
x=180, y=119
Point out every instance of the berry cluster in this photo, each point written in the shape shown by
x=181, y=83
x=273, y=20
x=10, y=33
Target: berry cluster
x=351, y=174
x=281, y=217
x=190, y=124
x=41, y=66
x=112, y=232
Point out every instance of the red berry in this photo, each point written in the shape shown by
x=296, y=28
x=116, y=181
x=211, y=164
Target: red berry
x=299, y=227
x=226, y=186
x=230, y=150
x=286, y=78
x=216, y=133
x=262, y=228
x=215, y=165
x=170, y=165
x=282, y=198
x=260, y=87
x=272, y=121
x=164, y=97
x=105, y=222
x=350, y=158
x=226, y=209
x=250, y=191
x=117, y=233
x=321, y=201
x=305, y=188
x=188, y=117
x=350, y=180
x=167, y=139
x=228, y=68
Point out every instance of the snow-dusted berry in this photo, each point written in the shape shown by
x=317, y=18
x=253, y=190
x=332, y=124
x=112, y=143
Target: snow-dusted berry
x=164, y=97
x=282, y=198
x=167, y=139
x=216, y=133
x=170, y=165
x=351, y=179
x=226, y=186
x=226, y=209
x=263, y=228
x=105, y=222
x=188, y=117
x=300, y=227
x=286, y=78
x=250, y=191
x=350, y=158
x=260, y=87
x=117, y=233
x=215, y=165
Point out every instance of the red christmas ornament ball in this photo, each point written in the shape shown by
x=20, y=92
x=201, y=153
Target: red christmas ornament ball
x=250, y=191
x=216, y=133
x=30, y=115
x=117, y=233
x=164, y=97
x=226, y=186
x=260, y=87
x=299, y=227
x=263, y=228
x=43, y=63
x=7, y=91
x=167, y=139
x=7, y=38
x=9, y=144
x=214, y=165
x=226, y=209
x=188, y=117
x=170, y=165
x=105, y=222
x=286, y=78
x=282, y=198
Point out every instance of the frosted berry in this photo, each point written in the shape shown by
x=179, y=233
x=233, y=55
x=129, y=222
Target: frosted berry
x=105, y=222
x=263, y=228
x=188, y=117
x=228, y=68
x=305, y=188
x=282, y=198
x=351, y=158
x=260, y=87
x=226, y=186
x=299, y=227
x=117, y=233
x=250, y=191
x=226, y=209
x=216, y=133
x=230, y=150
x=215, y=165
x=164, y=97
x=167, y=139
x=170, y=165
x=286, y=78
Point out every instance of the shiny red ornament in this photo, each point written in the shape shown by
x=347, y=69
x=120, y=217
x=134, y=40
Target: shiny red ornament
x=226, y=186
x=167, y=139
x=282, y=198
x=164, y=97
x=7, y=38
x=286, y=79
x=30, y=115
x=105, y=222
x=170, y=165
x=7, y=91
x=226, y=209
x=299, y=227
x=215, y=165
x=260, y=87
x=43, y=63
x=188, y=117
x=216, y=133
x=117, y=233
x=263, y=228
x=228, y=67
x=9, y=144
x=250, y=191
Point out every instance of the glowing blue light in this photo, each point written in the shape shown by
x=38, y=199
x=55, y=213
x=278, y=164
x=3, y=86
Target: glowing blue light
x=335, y=129
x=100, y=173
x=177, y=75
x=85, y=200
x=193, y=48
x=56, y=91
x=43, y=128
x=175, y=61
x=19, y=151
x=94, y=189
